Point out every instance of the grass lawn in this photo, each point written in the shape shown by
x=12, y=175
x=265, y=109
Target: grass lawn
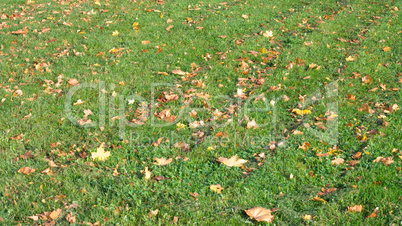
x=305, y=93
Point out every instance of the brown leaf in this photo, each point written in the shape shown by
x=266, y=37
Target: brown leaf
x=179, y=72
x=162, y=161
x=353, y=162
x=70, y=218
x=260, y=214
x=26, y=170
x=20, y=32
x=73, y=82
x=232, y=161
x=386, y=161
x=355, y=209
x=183, y=146
x=337, y=161
x=145, y=42
x=153, y=213
x=326, y=191
x=55, y=214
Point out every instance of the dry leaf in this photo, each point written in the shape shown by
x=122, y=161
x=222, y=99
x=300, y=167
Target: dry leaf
x=162, y=161
x=232, y=161
x=153, y=213
x=100, y=154
x=178, y=72
x=216, y=188
x=70, y=218
x=301, y=112
x=26, y=170
x=386, y=161
x=318, y=199
x=145, y=42
x=355, y=208
x=307, y=217
x=55, y=214
x=374, y=213
x=337, y=161
x=252, y=125
x=350, y=58
x=260, y=214
x=386, y=48
x=73, y=82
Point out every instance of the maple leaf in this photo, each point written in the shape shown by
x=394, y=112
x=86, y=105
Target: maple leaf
x=260, y=214
x=232, y=161
x=268, y=34
x=26, y=170
x=162, y=161
x=100, y=154
x=216, y=188
x=355, y=208
x=386, y=48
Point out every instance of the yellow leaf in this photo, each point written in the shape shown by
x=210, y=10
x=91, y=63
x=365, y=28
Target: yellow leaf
x=301, y=112
x=260, y=214
x=318, y=199
x=386, y=48
x=115, y=33
x=350, y=58
x=216, y=188
x=100, y=154
x=232, y=161
x=307, y=217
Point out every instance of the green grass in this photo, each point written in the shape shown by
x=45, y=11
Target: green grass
x=77, y=46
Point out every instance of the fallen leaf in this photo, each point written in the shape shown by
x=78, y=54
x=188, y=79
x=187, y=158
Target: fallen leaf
x=153, y=213
x=374, y=213
x=145, y=42
x=337, y=161
x=386, y=161
x=55, y=214
x=70, y=218
x=252, y=125
x=260, y=214
x=301, y=112
x=26, y=170
x=350, y=58
x=355, y=209
x=318, y=199
x=232, y=161
x=73, y=82
x=178, y=72
x=162, y=161
x=307, y=217
x=100, y=154
x=386, y=48
x=326, y=191
x=216, y=188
